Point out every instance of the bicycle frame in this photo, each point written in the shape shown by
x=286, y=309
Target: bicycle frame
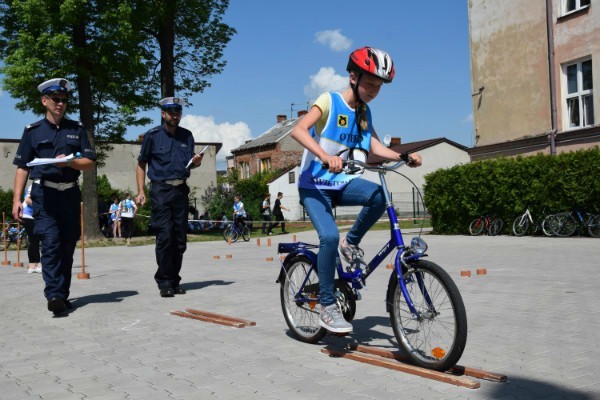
x=357, y=277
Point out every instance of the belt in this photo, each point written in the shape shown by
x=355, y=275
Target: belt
x=60, y=186
x=173, y=182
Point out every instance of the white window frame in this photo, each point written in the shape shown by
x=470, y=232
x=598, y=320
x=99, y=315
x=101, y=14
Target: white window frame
x=579, y=97
x=578, y=6
x=264, y=164
x=244, y=169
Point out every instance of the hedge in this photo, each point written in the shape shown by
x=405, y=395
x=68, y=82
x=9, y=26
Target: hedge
x=507, y=186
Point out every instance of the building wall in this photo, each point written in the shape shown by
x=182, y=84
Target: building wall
x=120, y=166
x=283, y=154
x=509, y=62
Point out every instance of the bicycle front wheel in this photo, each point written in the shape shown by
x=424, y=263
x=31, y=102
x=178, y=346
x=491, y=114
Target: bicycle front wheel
x=594, y=226
x=476, y=227
x=246, y=233
x=436, y=336
x=300, y=300
x=521, y=225
x=550, y=225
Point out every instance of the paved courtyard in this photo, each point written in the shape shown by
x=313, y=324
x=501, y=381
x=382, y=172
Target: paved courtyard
x=534, y=317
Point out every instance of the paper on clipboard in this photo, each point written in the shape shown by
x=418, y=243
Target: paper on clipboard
x=44, y=161
x=201, y=152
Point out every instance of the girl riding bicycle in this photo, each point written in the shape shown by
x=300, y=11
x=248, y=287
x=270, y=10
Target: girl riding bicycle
x=339, y=127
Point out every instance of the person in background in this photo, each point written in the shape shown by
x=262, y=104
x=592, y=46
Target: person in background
x=278, y=213
x=115, y=217
x=55, y=195
x=166, y=151
x=239, y=212
x=223, y=220
x=127, y=211
x=266, y=215
x=33, y=247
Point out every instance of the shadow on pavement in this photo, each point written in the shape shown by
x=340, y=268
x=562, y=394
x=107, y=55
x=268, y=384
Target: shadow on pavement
x=533, y=389
x=112, y=297
x=203, y=284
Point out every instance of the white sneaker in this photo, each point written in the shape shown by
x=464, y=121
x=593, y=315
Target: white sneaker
x=351, y=252
x=331, y=318
x=31, y=270
x=38, y=269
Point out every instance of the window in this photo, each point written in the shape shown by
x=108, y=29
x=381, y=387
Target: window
x=570, y=6
x=292, y=177
x=244, y=170
x=264, y=164
x=579, y=100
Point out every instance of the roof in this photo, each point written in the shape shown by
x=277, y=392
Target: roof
x=272, y=136
x=416, y=146
x=284, y=171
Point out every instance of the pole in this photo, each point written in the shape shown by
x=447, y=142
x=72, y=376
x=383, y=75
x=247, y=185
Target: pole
x=82, y=274
x=5, y=231
x=18, y=263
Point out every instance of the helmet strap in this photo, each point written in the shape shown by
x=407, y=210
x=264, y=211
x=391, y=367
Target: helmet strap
x=359, y=115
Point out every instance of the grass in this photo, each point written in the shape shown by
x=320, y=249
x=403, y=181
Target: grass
x=217, y=235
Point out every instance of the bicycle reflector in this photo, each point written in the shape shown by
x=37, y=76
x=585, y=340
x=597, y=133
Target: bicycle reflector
x=438, y=352
x=418, y=245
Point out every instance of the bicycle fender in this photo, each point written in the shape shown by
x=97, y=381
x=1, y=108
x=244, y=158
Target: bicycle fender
x=311, y=256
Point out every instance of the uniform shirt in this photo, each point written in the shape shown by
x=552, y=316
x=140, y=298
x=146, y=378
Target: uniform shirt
x=239, y=207
x=43, y=139
x=338, y=132
x=167, y=155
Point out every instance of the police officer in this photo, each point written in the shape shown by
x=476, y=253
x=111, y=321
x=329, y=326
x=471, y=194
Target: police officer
x=167, y=150
x=55, y=193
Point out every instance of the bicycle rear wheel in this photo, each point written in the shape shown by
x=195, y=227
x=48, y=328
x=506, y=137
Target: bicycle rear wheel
x=566, y=225
x=246, y=233
x=594, y=226
x=549, y=225
x=495, y=227
x=476, y=227
x=301, y=312
x=230, y=233
x=436, y=337
x=520, y=225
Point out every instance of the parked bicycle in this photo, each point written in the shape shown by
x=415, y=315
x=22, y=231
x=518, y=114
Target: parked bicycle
x=426, y=309
x=233, y=231
x=523, y=222
x=489, y=224
x=568, y=222
x=13, y=235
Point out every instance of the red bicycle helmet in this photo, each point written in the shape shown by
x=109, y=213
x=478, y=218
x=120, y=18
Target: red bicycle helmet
x=372, y=61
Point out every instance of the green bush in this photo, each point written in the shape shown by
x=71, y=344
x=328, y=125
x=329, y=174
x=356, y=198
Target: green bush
x=506, y=186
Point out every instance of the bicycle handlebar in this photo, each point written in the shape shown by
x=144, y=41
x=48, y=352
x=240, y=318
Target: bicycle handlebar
x=350, y=164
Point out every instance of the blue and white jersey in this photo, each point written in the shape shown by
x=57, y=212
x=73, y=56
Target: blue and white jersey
x=339, y=133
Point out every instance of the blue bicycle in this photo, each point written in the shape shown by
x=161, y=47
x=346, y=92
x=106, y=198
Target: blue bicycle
x=426, y=309
x=236, y=229
x=13, y=235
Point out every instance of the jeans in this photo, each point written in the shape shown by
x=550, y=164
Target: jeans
x=318, y=204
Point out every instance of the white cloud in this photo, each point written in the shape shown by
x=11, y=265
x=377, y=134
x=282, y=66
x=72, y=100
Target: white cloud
x=334, y=39
x=468, y=119
x=205, y=129
x=325, y=80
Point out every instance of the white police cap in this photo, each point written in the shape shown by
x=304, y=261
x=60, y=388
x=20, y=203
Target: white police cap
x=55, y=85
x=172, y=102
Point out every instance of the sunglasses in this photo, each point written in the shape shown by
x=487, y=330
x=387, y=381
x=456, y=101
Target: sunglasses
x=58, y=100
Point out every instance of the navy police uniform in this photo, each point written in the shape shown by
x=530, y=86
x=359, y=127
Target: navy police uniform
x=167, y=157
x=56, y=196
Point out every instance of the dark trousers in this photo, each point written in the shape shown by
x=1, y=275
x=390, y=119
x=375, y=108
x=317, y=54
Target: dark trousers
x=278, y=220
x=169, y=222
x=266, y=221
x=33, y=243
x=126, y=227
x=57, y=223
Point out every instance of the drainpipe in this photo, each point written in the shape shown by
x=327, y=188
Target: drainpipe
x=549, y=29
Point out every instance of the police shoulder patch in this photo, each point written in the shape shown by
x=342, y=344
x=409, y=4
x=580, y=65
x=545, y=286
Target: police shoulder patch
x=34, y=125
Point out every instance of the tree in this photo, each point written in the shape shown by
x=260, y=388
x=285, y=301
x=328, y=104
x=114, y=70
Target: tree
x=184, y=41
x=103, y=47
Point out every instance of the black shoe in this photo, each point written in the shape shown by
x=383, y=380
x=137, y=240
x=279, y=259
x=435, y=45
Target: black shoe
x=57, y=305
x=167, y=292
x=179, y=290
x=69, y=305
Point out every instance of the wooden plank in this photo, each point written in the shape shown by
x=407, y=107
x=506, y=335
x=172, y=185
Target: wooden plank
x=208, y=319
x=456, y=370
x=224, y=317
x=411, y=369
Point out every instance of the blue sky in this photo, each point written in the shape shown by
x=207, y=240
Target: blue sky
x=290, y=52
